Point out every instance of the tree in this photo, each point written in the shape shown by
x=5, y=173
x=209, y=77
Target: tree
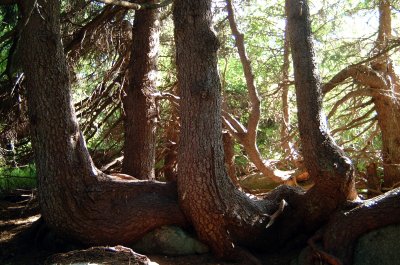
x=247, y=135
x=382, y=84
x=80, y=201
x=139, y=103
x=76, y=199
x=219, y=212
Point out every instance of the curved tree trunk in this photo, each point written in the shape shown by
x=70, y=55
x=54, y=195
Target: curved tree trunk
x=76, y=199
x=220, y=213
x=139, y=103
x=327, y=165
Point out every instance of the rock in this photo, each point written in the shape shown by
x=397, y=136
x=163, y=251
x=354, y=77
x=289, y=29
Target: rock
x=376, y=247
x=170, y=240
x=379, y=247
x=257, y=181
x=117, y=255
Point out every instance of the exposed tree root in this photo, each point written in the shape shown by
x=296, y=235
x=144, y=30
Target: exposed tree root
x=343, y=230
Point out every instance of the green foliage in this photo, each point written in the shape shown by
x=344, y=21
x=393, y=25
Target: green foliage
x=17, y=177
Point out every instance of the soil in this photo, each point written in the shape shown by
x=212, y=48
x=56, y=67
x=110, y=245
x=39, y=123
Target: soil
x=24, y=241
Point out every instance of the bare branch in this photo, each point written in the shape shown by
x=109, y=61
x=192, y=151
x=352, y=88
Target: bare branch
x=248, y=74
x=356, y=93
x=239, y=128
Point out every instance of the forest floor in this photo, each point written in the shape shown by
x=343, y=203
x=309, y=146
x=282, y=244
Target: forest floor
x=18, y=212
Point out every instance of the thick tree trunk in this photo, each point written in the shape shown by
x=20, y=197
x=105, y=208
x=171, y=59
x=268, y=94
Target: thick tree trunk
x=327, y=165
x=76, y=199
x=139, y=103
x=220, y=213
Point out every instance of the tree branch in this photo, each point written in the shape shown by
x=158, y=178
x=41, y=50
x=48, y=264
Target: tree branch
x=248, y=74
x=135, y=6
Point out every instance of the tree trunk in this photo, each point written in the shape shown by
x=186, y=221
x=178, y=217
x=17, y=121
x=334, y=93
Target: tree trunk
x=139, y=103
x=327, y=165
x=386, y=100
x=76, y=199
x=220, y=213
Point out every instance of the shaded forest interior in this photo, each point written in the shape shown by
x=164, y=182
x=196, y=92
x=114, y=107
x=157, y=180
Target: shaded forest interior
x=251, y=128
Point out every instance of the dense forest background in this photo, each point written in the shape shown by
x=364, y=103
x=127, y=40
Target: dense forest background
x=97, y=40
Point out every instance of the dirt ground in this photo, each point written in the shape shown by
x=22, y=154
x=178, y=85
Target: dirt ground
x=22, y=243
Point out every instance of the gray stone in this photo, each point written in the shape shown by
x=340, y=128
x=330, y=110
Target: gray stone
x=379, y=247
x=170, y=240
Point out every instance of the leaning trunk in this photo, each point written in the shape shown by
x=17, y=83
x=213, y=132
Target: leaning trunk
x=139, y=103
x=326, y=163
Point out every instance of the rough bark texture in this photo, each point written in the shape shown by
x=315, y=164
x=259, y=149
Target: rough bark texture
x=342, y=232
x=326, y=163
x=139, y=103
x=76, y=199
x=219, y=212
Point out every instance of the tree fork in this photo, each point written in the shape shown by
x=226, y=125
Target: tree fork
x=76, y=199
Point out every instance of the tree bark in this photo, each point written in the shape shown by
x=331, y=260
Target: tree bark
x=341, y=234
x=326, y=163
x=139, y=103
x=76, y=199
x=384, y=87
x=386, y=100
x=219, y=212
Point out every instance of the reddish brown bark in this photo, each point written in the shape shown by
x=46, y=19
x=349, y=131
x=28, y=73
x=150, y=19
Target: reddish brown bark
x=383, y=86
x=326, y=163
x=386, y=101
x=342, y=232
x=229, y=153
x=139, y=103
x=220, y=213
x=76, y=199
